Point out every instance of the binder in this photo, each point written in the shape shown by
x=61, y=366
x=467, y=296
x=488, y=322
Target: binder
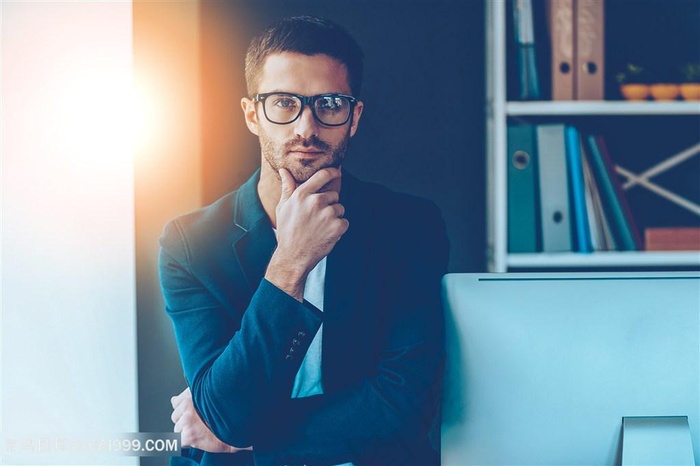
x=525, y=44
x=522, y=189
x=562, y=37
x=554, y=188
x=582, y=233
x=590, y=49
x=615, y=204
x=601, y=234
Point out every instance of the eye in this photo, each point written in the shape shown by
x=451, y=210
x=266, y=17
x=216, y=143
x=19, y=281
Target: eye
x=285, y=102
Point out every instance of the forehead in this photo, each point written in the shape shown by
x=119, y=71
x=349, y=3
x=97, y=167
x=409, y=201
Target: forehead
x=303, y=74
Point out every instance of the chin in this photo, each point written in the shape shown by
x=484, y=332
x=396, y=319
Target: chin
x=302, y=172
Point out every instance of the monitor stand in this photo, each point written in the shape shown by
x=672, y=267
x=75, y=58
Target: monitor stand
x=658, y=440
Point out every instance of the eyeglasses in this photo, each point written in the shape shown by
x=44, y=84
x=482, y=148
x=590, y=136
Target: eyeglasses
x=283, y=108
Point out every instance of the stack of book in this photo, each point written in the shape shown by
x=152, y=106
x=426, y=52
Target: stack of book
x=564, y=193
x=672, y=239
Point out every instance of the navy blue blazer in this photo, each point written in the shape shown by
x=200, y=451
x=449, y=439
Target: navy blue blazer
x=242, y=340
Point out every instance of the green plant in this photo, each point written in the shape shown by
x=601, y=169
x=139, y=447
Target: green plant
x=691, y=72
x=631, y=74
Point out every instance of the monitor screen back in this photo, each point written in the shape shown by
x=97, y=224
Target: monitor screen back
x=541, y=368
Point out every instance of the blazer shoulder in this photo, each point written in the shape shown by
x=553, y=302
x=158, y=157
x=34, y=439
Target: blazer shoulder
x=202, y=225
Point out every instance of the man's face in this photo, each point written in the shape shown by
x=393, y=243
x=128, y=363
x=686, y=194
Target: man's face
x=304, y=146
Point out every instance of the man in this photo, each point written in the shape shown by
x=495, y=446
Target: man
x=306, y=304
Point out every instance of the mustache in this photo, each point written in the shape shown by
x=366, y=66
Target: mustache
x=312, y=142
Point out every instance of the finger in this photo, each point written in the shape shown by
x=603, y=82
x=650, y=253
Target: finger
x=186, y=439
x=177, y=428
x=184, y=428
x=183, y=395
x=288, y=184
x=177, y=413
x=344, y=225
x=319, y=179
x=328, y=197
x=339, y=210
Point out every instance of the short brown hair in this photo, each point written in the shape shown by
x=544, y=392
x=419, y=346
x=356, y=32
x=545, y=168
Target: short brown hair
x=307, y=35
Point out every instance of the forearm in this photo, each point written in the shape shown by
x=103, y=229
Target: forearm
x=234, y=360
x=253, y=370
x=394, y=404
x=380, y=413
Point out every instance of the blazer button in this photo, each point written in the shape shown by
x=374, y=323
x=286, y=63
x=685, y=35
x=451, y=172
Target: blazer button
x=292, y=350
x=289, y=357
x=296, y=342
x=301, y=334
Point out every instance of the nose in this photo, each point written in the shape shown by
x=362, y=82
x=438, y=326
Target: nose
x=306, y=125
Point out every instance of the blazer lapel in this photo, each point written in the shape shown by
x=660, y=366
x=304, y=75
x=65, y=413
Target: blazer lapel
x=346, y=272
x=345, y=267
x=254, y=241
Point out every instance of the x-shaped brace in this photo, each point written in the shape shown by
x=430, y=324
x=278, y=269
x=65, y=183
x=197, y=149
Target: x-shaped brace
x=644, y=179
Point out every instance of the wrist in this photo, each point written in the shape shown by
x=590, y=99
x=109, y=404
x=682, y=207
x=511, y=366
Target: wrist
x=287, y=275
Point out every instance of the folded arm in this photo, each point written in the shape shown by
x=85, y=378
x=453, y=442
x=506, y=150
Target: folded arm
x=235, y=361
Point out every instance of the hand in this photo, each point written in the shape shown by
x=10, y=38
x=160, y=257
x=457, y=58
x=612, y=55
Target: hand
x=194, y=432
x=309, y=224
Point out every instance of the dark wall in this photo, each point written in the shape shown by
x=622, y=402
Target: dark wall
x=422, y=130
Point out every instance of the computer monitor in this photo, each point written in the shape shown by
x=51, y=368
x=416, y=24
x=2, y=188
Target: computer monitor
x=542, y=368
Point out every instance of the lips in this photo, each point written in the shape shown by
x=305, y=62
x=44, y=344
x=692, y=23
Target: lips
x=306, y=151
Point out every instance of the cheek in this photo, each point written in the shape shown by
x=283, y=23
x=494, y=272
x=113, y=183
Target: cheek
x=275, y=135
x=337, y=136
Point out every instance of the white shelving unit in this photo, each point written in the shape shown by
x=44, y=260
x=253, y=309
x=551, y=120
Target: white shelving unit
x=498, y=110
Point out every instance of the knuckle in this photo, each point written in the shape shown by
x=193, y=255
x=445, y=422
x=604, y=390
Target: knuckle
x=339, y=227
x=318, y=202
x=329, y=213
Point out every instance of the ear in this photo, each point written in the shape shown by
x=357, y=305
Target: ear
x=356, y=114
x=250, y=115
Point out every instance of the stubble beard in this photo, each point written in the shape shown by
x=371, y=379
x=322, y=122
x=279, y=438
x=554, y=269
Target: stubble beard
x=277, y=155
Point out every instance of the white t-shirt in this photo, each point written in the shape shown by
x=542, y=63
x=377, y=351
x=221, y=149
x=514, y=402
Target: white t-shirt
x=308, y=379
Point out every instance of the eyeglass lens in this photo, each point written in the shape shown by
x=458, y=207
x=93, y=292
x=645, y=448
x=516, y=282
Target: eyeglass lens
x=329, y=110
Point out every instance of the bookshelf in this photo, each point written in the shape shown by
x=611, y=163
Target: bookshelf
x=499, y=111
x=601, y=107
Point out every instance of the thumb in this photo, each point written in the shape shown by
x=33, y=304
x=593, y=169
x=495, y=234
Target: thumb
x=288, y=184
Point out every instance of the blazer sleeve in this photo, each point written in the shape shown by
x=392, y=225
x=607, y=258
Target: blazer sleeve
x=236, y=361
x=394, y=408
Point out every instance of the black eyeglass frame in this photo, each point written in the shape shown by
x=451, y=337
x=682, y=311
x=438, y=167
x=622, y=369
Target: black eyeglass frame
x=308, y=101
